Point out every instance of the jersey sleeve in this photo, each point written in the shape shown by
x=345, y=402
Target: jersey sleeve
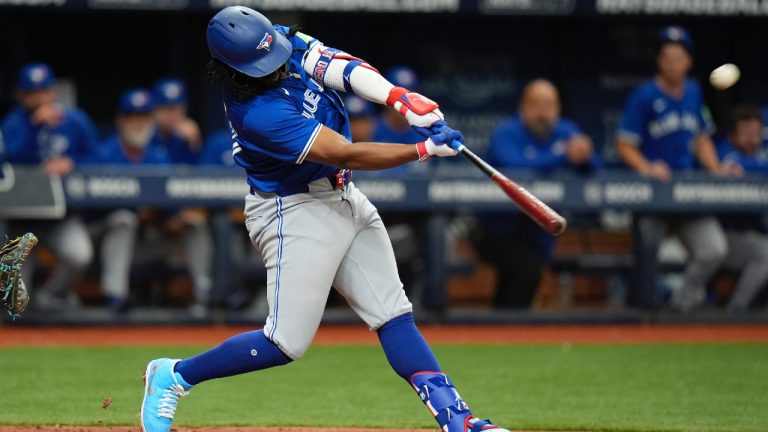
x=633, y=121
x=279, y=130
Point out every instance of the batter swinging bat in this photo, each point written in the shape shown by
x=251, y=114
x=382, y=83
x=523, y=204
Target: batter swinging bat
x=542, y=214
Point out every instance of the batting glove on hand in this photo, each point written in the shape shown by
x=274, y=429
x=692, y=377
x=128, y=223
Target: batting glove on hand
x=13, y=292
x=418, y=110
x=439, y=143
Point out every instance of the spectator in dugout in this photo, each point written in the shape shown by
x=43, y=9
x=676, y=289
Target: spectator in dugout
x=537, y=138
x=666, y=127
x=747, y=234
x=116, y=230
x=40, y=131
x=179, y=134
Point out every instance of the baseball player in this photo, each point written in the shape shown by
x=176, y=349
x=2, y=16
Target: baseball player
x=747, y=234
x=179, y=134
x=42, y=132
x=118, y=229
x=537, y=138
x=313, y=227
x=666, y=127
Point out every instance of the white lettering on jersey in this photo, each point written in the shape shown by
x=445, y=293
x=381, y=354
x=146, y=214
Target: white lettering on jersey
x=311, y=100
x=673, y=122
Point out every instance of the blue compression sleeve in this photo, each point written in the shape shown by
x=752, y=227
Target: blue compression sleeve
x=246, y=352
x=405, y=347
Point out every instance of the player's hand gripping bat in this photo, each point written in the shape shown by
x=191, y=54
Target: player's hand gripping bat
x=542, y=214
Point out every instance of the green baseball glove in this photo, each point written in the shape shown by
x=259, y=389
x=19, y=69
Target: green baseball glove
x=13, y=293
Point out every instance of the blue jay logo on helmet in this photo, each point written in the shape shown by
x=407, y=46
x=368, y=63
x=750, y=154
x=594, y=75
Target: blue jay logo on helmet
x=265, y=43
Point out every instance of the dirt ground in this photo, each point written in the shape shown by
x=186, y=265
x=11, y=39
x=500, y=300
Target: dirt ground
x=356, y=335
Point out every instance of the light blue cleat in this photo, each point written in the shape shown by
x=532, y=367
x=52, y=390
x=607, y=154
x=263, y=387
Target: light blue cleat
x=162, y=390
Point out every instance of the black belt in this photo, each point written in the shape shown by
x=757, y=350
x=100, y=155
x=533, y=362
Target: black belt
x=339, y=180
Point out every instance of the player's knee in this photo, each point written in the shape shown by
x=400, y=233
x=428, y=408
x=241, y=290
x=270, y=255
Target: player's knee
x=77, y=255
x=124, y=219
x=293, y=349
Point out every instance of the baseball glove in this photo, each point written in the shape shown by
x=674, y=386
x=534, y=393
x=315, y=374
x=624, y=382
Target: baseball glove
x=13, y=293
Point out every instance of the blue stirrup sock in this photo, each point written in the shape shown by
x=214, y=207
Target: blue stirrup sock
x=410, y=356
x=246, y=352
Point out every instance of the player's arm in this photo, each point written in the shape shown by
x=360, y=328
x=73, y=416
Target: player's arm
x=706, y=153
x=331, y=148
x=343, y=72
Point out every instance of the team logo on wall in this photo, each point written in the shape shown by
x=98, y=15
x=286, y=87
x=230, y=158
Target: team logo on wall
x=266, y=42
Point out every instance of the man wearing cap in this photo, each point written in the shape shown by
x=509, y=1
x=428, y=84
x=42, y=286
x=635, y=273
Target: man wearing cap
x=39, y=131
x=665, y=128
x=117, y=229
x=179, y=134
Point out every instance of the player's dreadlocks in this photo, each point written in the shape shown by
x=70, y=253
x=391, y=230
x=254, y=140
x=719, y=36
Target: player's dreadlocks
x=241, y=85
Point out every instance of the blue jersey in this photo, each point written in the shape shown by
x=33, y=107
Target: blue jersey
x=665, y=127
x=512, y=145
x=274, y=131
x=26, y=143
x=111, y=153
x=177, y=148
x=217, y=149
x=756, y=162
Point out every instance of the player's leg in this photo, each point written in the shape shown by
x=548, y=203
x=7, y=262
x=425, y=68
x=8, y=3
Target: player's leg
x=118, y=240
x=707, y=248
x=369, y=281
x=302, y=245
x=647, y=233
x=198, y=255
x=73, y=248
x=748, y=254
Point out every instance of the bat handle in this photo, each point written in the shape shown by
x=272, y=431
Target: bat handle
x=454, y=144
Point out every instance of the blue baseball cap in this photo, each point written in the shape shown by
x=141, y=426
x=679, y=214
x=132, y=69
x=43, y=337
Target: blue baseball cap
x=169, y=91
x=135, y=101
x=358, y=107
x=676, y=34
x=403, y=76
x=35, y=76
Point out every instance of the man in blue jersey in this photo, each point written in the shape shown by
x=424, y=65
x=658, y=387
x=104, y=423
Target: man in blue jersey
x=665, y=128
x=40, y=131
x=747, y=234
x=179, y=134
x=537, y=138
x=117, y=230
x=313, y=227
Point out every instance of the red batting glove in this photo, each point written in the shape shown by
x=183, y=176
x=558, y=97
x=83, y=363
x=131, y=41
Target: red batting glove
x=418, y=110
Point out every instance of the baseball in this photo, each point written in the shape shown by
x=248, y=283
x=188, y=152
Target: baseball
x=724, y=76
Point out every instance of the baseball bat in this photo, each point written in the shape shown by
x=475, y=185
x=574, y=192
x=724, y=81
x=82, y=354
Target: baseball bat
x=548, y=219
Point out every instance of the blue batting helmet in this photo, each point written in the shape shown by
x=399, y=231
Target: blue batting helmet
x=245, y=40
